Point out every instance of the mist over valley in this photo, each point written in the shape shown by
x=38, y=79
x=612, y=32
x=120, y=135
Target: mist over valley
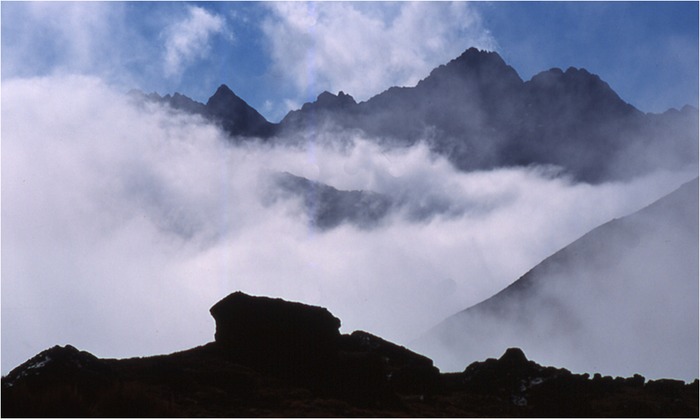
x=460, y=214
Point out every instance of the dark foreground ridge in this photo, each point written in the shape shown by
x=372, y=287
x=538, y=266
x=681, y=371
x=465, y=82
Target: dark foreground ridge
x=276, y=358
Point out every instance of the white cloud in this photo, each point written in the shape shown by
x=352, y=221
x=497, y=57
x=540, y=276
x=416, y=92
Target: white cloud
x=123, y=225
x=188, y=39
x=365, y=48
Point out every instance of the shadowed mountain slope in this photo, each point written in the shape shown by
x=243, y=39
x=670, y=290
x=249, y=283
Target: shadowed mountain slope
x=326, y=207
x=621, y=299
x=236, y=116
x=224, y=108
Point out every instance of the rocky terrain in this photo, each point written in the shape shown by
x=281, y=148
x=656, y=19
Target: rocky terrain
x=477, y=111
x=276, y=358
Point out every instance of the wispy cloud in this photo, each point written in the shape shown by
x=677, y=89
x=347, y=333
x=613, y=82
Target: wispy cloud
x=364, y=48
x=188, y=39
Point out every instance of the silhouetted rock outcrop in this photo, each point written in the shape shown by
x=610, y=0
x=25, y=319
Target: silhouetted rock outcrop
x=363, y=375
x=273, y=332
x=551, y=392
x=60, y=362
x=404, y=370
x=303, y=343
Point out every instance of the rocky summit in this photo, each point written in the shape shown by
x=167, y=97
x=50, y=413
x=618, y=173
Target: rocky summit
x=272, y=357
x=479, y=114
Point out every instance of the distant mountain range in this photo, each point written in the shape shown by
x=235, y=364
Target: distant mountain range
x=622, y=297
x=478, y=112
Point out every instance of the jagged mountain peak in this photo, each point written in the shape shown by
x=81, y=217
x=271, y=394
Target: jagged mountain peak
x=236, y=116
x=326, y=103
x=479, y=113
x=327, y=100
x=556, y=74
x=574, y=80
x=225, y=94
x=474, y=56
x=224, y=89
x=483, y=66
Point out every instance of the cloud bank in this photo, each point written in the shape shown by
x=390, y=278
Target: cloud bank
x=122, y=223
x=365, y=48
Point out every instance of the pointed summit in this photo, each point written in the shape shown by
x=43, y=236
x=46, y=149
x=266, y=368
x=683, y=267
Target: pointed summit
x=224, y=89
x=224, y=97
x=235, y=115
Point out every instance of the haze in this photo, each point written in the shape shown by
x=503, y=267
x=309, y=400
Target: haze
x=123, y=229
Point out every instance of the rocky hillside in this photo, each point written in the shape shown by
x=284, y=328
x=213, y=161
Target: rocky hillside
x=276, y=358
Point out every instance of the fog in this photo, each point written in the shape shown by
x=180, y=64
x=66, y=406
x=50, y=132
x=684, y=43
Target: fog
x=621, y=300
x=124, y=222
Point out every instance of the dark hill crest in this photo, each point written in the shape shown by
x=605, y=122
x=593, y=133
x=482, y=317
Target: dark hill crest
x=265, y=362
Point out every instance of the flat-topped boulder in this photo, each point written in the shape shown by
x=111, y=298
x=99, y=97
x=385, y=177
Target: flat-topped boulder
x=267, y=330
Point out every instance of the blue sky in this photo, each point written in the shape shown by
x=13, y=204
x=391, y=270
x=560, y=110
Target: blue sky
x=277, y=56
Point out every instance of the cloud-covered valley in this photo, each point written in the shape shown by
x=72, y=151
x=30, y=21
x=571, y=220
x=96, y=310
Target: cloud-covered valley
x=124, y=221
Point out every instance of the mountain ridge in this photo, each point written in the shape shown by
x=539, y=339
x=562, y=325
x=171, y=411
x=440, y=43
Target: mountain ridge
x=477, y=112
